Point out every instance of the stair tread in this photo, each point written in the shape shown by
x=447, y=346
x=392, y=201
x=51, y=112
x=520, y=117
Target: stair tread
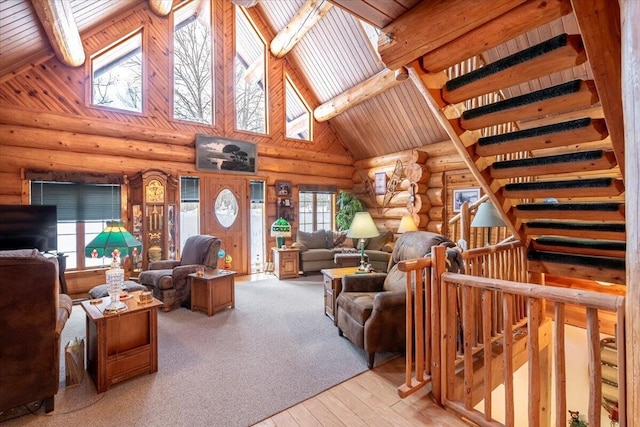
x=568, y=183
x=588, y=206
x=576, y=225
x=555, y=54
x=576, y=259
x=592, y=243
x=562, y=134
x=580, y=156
x=573, y=95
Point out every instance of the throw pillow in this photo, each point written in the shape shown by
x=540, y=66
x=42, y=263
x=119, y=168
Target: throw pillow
x=339, y=237
x=314, y=240
x=376, y=243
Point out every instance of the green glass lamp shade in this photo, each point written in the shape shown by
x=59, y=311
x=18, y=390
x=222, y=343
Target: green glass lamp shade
x=280, y=229
x=114, y=237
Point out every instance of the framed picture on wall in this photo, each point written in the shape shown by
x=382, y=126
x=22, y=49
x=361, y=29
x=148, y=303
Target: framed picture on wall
x=283, y=188
x=216, y=154
x=380, y=184
x=462, y=195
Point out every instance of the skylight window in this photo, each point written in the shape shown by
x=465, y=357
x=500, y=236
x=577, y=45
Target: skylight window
x=116, y=76
x=192, y=63
x=298, y=114
x=250, y=81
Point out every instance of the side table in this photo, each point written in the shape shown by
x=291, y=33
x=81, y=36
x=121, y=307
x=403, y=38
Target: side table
x=285, y=262
x=332, y=278
x=349, y=259
x=121, y=345
x=213, y=291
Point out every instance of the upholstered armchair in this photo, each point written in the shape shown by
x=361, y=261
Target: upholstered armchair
x=371, y=307
x=33, y=313
x=168, y=278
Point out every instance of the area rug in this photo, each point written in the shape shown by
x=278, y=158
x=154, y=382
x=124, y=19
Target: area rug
x=276, y=348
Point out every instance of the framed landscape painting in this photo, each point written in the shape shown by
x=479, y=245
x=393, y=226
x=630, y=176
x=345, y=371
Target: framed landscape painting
x=217, y=154
x=470, y=195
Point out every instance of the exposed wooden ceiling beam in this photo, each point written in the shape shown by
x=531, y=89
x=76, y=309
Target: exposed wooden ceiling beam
x=161, y=8
x=431, y=24
x=308, y=15
x=384, y=80
x=57, y=20
x=599, y=23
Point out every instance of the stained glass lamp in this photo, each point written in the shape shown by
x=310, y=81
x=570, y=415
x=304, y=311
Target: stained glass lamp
x=114, y=241
x=280, y=229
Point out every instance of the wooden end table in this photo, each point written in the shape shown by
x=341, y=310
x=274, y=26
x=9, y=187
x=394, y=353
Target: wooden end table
x=121, y=345
x=332, y=278
x=349, y=259
x=213, y=291
x=285, y=262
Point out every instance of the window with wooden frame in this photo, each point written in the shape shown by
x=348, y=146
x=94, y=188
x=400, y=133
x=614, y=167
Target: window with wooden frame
x=250, y=75
x=192, y=63
x=315, y=211
x=298, y=117
x=85, y=203
x=117, y=75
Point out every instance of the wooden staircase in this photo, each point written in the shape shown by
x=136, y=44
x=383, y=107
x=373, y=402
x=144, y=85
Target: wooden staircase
x=544, y=157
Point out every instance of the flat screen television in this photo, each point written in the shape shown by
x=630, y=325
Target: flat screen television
x=28, y=227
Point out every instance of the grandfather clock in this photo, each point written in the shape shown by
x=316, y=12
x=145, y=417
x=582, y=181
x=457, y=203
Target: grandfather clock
x=154, y=206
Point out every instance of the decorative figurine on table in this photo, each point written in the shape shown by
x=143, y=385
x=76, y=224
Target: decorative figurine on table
x=575, y=420
x=227, y=262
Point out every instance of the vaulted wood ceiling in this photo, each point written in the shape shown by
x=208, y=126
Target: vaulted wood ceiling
x=334, y=55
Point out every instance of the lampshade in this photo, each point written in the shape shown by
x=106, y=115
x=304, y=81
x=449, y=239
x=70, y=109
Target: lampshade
x=115, y=236
x=362, y=226
x=280, y=228
x=407, y=224
x=487, y=216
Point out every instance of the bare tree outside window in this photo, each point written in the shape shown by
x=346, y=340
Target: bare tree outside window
x=249, y=102
x=192, y=72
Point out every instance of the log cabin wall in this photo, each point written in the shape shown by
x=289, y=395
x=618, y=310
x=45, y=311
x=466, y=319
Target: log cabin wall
x=47, y=122
x=432, y=210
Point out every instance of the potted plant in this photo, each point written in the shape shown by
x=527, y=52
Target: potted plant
x=348, y=205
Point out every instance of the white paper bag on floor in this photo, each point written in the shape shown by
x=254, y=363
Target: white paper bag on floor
x=74, y=362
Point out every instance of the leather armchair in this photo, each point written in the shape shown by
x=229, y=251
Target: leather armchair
x=33, y=313
x=167, y=279
x=371, y=307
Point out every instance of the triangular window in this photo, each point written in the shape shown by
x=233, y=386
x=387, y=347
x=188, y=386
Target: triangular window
x=298, y=114
x=250, y=80
x=116, y=75
x=192, y=63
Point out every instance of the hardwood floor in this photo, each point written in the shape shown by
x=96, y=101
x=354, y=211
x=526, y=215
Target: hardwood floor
x=369, y=399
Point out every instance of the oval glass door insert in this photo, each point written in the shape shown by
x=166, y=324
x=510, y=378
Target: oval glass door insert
x=226, y=208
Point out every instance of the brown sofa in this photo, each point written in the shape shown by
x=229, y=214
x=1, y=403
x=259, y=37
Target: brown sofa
x=317, y=249
x=33, y=313
x=168, y=278
x=371, y=307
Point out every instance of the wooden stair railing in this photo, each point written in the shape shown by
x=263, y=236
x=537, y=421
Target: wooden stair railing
x=465, y=291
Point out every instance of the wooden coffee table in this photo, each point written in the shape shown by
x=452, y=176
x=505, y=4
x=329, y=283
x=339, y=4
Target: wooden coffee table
x=332, y=288
x=121, y=345
x=213, y=291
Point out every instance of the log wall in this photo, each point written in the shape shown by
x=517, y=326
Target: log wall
x=47, y=122
x=439, y=168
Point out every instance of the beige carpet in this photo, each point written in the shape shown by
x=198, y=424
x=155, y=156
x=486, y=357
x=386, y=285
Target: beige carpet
x=275, y=349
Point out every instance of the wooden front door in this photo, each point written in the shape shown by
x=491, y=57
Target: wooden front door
x=225, y=214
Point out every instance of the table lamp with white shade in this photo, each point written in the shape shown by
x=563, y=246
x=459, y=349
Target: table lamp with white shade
x=362, y=227
x=487, y=216
x=407, y=224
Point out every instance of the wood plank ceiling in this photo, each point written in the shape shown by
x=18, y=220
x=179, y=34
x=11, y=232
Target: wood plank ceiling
x=335, y=55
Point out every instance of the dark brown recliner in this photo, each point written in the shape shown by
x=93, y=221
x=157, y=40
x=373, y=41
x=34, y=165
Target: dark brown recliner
x=371, y=307
x=33, y=313
x=168, y=278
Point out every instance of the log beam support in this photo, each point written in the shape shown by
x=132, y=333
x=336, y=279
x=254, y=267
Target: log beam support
x=308, y=15
x=57, y=20
x=161, y=8
x=375, y=85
